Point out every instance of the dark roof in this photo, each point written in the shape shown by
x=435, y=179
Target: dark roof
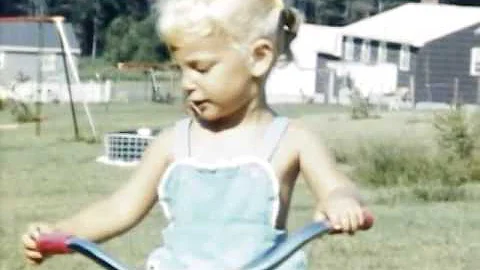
x=26, y=34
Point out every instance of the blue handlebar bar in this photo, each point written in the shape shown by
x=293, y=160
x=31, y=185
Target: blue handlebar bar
x=269, y=260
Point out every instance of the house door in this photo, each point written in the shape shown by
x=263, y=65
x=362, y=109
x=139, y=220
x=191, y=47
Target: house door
x=325, y=84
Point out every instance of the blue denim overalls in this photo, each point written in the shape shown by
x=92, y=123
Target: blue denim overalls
x=221, y=215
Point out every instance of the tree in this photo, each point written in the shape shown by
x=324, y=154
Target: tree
x=462, y=2
x=128, y=39
x=94, y=16
x=342, y=12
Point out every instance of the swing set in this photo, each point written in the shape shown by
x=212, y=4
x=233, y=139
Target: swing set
x=71, y=71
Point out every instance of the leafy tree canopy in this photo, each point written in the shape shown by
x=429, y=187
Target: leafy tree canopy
x=123, y=30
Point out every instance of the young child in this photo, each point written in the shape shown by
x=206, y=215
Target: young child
x=225, y=175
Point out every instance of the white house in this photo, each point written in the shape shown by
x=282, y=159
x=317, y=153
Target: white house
x=295, y=82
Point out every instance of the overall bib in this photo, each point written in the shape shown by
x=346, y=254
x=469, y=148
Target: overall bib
x=221, y=215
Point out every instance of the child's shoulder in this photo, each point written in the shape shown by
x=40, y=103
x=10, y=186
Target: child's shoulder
x=300, y=131
x=162, y=143
x=304, y=139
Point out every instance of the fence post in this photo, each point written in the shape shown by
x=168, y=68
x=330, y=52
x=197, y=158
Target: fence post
x=455, y=92
x=478, y=90
x=412, y=90
x=331, y=86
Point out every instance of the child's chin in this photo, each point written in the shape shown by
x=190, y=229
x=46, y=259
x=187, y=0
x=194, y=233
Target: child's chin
x=206, y=116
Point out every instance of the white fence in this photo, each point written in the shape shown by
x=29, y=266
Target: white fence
x=91, y=92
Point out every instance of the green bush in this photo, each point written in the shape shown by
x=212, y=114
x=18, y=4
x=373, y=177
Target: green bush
x=438, y=192
x=457, y=138
x=21, y=112
x=3, y=103
x=436, y=172
x=454, y=134
x=361, y=108
x=429, y=176
x=383, y=163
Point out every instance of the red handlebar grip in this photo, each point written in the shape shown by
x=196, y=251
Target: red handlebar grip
x=53, y=243
x=368, y=220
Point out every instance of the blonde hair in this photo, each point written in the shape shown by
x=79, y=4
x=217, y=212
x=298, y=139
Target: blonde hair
x=240, y=21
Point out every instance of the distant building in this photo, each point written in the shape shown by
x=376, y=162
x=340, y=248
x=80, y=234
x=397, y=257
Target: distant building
x=297, y=82
x=430, y=50
x=24, y=42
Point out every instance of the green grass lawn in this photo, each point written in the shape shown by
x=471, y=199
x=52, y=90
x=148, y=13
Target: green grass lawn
x=51, y=176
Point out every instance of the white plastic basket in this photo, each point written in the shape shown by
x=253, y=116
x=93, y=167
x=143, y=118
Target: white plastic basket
x=125, y=148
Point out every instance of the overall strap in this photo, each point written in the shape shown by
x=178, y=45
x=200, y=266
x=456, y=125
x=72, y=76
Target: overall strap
x=181, y=146
x=272, y=137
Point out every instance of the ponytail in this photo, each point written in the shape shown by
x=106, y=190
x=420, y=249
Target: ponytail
x=288, y=24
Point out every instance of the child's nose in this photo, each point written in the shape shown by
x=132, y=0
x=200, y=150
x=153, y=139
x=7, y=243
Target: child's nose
x=188, y=85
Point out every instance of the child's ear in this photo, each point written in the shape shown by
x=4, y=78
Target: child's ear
x=262, y=55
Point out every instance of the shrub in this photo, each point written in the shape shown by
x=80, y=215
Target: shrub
x=428, y=176
x=2, y=103
x=21, y=112
x=440, y=192
x=454, y=133
x=360, y=106
x=381, y=163
x=457, y=138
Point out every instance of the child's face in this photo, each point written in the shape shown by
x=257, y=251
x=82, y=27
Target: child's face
x=216, y=80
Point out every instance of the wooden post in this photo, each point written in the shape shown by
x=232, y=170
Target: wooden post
x=478, y=90
x=412, y=90
x=38, y=101
x=455, y=92
x=69, y=60
x=69, y=88
x=331, y=86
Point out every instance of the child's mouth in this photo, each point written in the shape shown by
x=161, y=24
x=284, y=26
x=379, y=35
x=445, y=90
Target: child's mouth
x=198, y=106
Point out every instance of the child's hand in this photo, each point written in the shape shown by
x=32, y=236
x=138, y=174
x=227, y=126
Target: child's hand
x=345, y=213
x=29, y=240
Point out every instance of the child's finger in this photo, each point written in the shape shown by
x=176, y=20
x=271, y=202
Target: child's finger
x=320, y=216
x=29, y=242
x=360, y=217
x=34, y=261
x=34, y=231
x=355, y=219
x=351, y=223
x=346, y=222
x=38, y=228
x=33, y=255
x=335, y=222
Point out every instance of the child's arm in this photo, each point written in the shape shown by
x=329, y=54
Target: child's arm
x=337, y=198
x=118, y=212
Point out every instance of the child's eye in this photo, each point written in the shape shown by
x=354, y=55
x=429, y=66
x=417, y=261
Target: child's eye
x=202, y=67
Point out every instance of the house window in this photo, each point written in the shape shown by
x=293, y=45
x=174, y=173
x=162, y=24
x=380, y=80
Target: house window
x=365, y=56
x=475, y=62
x=404, y=59
x=2, y=59
x=382, y=52
x=49, y=62
x=349, y=48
